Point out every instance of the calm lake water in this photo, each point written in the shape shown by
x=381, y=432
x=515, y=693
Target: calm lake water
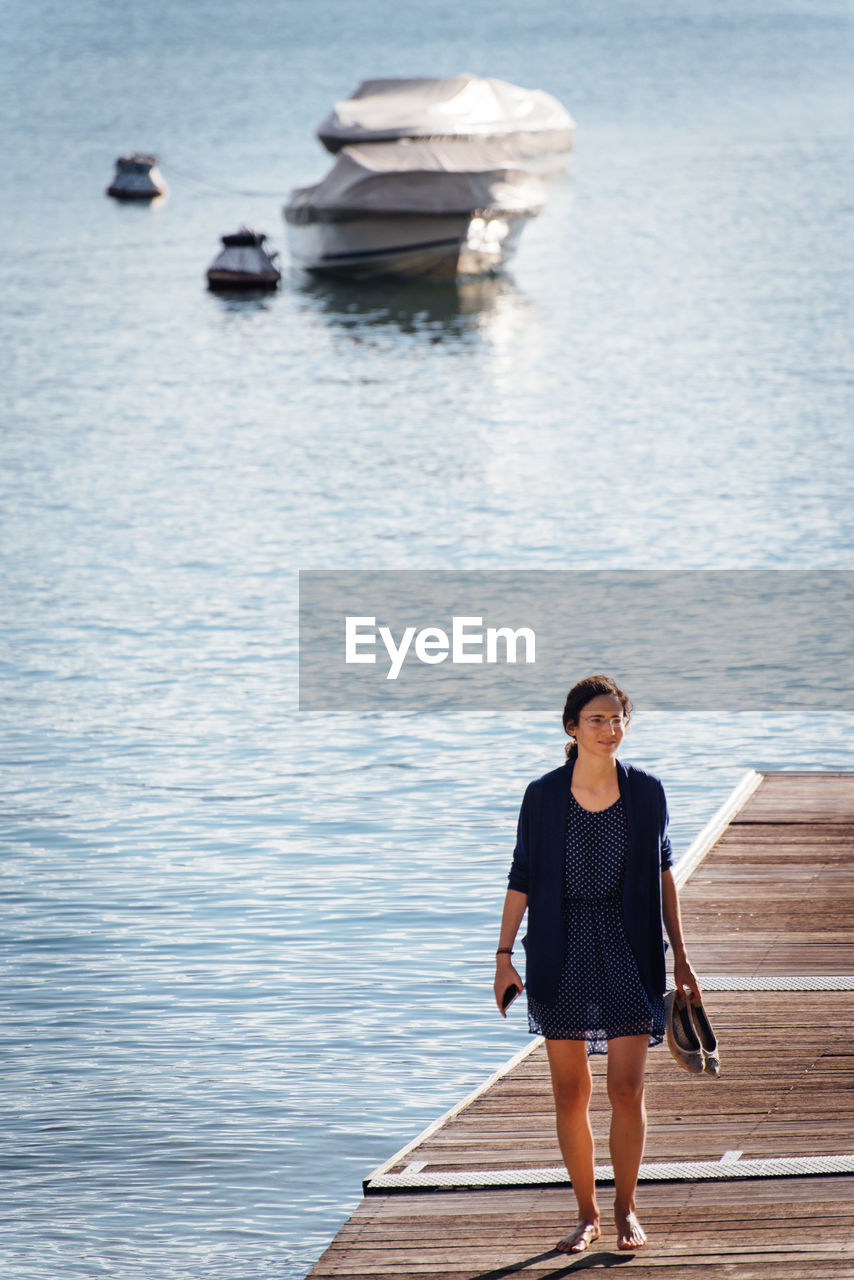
x=247, y=953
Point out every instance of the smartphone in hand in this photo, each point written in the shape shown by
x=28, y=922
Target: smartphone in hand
x=509, y=996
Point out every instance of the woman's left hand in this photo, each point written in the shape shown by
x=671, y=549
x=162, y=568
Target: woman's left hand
x=684, y=976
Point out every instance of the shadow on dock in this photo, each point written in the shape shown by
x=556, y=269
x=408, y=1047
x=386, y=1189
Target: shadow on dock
x=584, y=1262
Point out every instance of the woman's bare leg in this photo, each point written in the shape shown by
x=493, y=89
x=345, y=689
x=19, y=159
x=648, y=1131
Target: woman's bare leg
x=571, y=1085
x=626, y=1063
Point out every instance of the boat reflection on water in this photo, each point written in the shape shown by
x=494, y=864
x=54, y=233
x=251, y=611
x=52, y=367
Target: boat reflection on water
x=244, y=299
x=437, y=308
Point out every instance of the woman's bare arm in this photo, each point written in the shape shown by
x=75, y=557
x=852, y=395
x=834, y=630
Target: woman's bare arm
x=515, y=905
x=683, y=974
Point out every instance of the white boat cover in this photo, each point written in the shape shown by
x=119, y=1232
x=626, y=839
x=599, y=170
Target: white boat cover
x=418, y=178
x=246, y=260
x=464, y=106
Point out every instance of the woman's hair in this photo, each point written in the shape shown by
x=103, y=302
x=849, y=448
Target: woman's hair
x=582, y=693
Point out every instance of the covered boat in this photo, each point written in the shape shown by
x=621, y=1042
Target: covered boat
x=412, y=209
x=526, y=122
x=137, y=178
x=244, y=263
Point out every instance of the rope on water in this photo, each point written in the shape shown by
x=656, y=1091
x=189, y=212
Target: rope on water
x=217, y=187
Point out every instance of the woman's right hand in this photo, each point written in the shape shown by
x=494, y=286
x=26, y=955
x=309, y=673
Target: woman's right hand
x=505, y=976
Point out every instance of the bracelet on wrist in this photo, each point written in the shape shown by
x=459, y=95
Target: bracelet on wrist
x=504, y=951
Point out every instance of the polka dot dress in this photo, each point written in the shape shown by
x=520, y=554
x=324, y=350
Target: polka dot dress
x=600, y=995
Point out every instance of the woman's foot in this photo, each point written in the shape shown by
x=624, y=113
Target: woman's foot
x=579, y=1239
x=630, y=1233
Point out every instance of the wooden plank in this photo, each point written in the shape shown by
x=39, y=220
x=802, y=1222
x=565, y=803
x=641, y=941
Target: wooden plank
x=803, y=1224
x=776, y=1084
x=801, y=797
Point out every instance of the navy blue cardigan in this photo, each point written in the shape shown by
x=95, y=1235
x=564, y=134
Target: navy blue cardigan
x=538, y=871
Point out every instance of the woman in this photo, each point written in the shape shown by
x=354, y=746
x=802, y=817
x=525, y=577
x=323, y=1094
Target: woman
x=592, y=867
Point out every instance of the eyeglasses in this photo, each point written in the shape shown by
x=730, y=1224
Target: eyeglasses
x=614, y=722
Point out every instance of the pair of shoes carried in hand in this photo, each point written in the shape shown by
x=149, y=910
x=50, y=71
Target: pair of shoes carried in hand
x=690, y=1037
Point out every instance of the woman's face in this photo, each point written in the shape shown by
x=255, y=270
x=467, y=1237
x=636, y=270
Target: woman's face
x=600, y=727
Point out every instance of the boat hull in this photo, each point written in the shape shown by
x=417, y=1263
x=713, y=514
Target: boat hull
x=240, y=280
x=441, y=247
x=147, y=191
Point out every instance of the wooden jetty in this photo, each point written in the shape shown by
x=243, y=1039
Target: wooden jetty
x=748, y=1177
